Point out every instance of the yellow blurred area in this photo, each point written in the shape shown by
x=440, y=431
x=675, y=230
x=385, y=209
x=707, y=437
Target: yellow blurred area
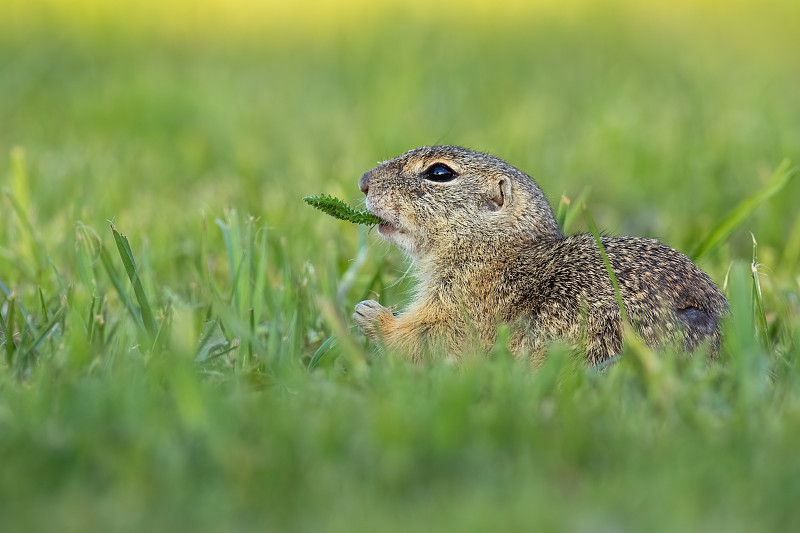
x=196, y=20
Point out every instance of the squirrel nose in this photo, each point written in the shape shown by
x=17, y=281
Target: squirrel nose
x=363, y=184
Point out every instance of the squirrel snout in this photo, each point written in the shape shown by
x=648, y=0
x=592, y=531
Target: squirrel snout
x=363, y=183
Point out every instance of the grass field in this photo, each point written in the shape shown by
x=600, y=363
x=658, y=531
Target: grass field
x=185, y=401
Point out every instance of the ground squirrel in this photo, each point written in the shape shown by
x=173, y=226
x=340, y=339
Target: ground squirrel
x=487, y=250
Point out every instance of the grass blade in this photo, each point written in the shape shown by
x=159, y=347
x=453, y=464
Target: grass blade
x=252, y=338
x=85, y=245
x=62, y=283
x=163, y=330
x=574, y=209
x=606, y=262
x=19, y=178
x=262, y=267
x=232, y=236
x=8, y=329
x=90, y=321
x=44, y=332
x=105, y=257
x=7, y=337
x=133, y=274
x=561, y=212
x=211, y=341
x=349, y=277
x=19, y=197
x=44, y=307
x=758, y=298
x=22, y=311
x=323, y=348
x=782, y=176
x=251, y=260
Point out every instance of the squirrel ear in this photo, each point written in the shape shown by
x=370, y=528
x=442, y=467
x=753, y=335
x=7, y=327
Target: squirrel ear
x=500, y=195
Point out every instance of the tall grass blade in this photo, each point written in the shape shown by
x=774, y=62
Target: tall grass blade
x=26, y=324
x=561, y=211
x=87, y=242
x=44, y=307
x=62, y=283
x=749, y=364
x=251, y=261
x=323, y=348
x=163, y=330
x=24, y=332
x=603, y=365
x=5, y=290
x=231, y=235
x=260, y=284
x=31, y=239
x=350, y=275
x=574, y=208
x=355, y=356
x=758, y=298
x=19, y=178
x=206, y=267
x=90, y=321
x=607, y=263
x=375, y=285
x=5, y=329
x=125, y=253
x=19, y=197
x=11, y=346
x=233, y=297
x=251, y=340
x=12, y=297
x=105, y=257
x=780, y=179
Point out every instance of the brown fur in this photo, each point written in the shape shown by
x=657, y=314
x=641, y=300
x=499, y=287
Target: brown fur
x=487, y=251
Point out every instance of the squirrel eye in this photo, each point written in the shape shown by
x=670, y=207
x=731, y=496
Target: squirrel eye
x=440, y=173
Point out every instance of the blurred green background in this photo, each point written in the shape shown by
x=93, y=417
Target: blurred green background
x=198, y=126
x=149, y=113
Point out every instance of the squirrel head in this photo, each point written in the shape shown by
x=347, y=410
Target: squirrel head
x=439, y=197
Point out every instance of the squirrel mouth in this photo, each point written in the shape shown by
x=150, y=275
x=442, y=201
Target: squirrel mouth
x=393, y=232
x=387, y=228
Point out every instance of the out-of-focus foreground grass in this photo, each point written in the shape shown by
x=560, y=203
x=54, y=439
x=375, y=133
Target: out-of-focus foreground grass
x=196, y=127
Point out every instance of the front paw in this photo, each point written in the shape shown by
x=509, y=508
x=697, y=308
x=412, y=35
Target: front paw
x=372, y=319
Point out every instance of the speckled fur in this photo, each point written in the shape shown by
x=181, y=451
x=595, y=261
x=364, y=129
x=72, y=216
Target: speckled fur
x=487, y=250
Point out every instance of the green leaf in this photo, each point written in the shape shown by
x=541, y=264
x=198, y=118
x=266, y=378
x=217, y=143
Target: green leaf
x=782, y=176
x=133, y=274
x=338, y=209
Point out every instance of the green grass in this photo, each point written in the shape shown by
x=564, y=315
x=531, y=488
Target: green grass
x=182, y=376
